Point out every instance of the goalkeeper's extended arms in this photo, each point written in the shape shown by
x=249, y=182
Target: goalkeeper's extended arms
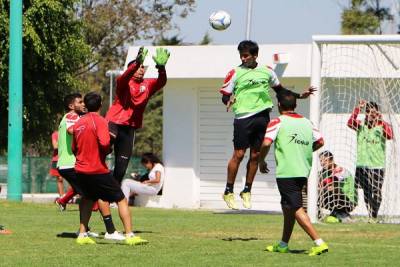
x=161, y=57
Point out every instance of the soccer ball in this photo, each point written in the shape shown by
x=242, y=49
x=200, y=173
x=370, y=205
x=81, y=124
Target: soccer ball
x=220, y=20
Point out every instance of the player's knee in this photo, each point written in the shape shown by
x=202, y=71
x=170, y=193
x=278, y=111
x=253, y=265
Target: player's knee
x=238, y=156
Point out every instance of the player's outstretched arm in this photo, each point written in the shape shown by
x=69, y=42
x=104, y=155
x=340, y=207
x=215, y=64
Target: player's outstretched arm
x=353, y=123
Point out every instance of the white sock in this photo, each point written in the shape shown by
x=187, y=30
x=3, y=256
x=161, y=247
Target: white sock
x=318, y=242
x=283, y=244
x=131, y=234
x=84, y=234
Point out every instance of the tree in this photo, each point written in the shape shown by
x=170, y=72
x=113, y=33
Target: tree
x=53, y=50
x=364, y=17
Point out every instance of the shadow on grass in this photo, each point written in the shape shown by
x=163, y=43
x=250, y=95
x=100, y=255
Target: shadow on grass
x=101, y=235
x=250, y=212
x=239, y=239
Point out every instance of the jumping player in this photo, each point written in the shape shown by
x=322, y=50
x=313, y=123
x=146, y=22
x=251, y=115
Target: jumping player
x=125, y=116
x=246, y=89
x=91, y=144
x=295, y=140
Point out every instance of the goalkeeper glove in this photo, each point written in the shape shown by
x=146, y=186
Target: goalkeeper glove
x=161, y=57
x=142, y=53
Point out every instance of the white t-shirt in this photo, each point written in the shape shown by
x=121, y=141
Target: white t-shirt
x=152, y=175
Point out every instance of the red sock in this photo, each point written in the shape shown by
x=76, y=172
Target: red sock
x=67, y=197
x=95, y=206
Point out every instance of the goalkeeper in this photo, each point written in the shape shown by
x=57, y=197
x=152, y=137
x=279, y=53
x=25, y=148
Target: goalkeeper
x=125, y=115
x=371, y=146
x=246, y=88
x=337, y=191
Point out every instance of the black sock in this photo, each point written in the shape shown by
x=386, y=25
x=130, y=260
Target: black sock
x=108, y=222
x=228, y=188
x=247, y=188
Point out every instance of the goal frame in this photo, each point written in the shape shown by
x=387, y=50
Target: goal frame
x=316, y=65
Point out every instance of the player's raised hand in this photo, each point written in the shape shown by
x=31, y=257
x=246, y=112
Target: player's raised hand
x=362, y=103
x=309, y=91
x=141, y=55
x=161, y=57
x=263, y=167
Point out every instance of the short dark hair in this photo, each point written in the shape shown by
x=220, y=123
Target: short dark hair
x=287, y=100
x=326, y=154
x=372, y=104
x=150, y=157
x=69, y=99
x=248, y=45
x=92, y=101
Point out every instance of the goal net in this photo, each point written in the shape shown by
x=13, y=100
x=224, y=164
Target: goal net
x=357, y=110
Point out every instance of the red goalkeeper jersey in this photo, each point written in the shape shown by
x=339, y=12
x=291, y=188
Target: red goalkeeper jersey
x=132, y=97
x=91, y=144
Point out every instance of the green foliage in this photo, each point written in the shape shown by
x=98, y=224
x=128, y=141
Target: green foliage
x=53, y=50
x=364, y=17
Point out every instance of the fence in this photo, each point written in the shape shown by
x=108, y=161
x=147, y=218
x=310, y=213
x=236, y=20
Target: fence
x=36, y=177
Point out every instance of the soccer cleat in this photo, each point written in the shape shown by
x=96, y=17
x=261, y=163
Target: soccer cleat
x=230, y=201
x=332, y=219
x=246, y=197
x=61, y=206
x=85, y=240
x=135, y=240
x=323, y=248
x=4, y=231
x=114, y=236
x=372, y=220
x=277, y=248
x=93, y=234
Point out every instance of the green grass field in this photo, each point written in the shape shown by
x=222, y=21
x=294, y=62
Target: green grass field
x=186, y=238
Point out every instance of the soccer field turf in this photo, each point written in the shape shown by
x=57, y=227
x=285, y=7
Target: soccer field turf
x=186, y=238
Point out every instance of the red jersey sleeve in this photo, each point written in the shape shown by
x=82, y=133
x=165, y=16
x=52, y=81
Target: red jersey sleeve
x=156, y=84
x=229, y=83
x=353, y=123
x=103, y=136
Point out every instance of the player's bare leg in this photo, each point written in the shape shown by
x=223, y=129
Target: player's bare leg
x=288, y=223
x=125, y=215
x=85, y=211
x=251, y=170
x=305, y=223
x=60, y=185
x=233, y=166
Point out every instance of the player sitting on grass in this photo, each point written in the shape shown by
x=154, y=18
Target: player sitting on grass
x=337, y=191
x=295, y=140
x=74, y=106
x=91, y=144
x=150, y=186
x=246, y=88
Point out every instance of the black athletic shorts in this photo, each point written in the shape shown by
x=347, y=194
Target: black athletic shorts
x=250, y=132
x=290, y=190
x=70, y=176
x=100, y=186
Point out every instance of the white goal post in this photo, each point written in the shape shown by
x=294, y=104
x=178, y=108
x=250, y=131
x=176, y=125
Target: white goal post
x=346, y=69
